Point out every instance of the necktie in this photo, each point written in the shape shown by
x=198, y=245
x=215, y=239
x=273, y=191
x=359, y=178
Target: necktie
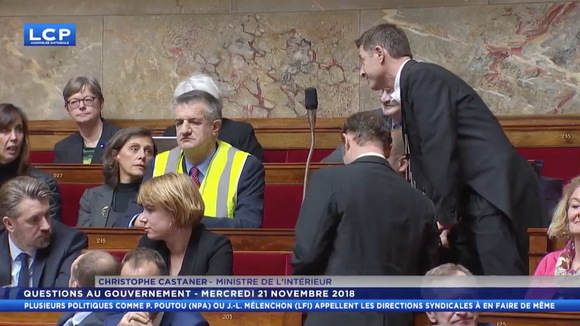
x=24, y=275
x=194, y=173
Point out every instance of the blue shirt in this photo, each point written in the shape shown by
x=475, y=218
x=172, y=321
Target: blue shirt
x=203, y=167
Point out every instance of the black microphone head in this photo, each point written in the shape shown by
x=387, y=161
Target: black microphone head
x=310, y=98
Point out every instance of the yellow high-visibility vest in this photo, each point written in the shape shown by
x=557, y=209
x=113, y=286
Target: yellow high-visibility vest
x=219, y=189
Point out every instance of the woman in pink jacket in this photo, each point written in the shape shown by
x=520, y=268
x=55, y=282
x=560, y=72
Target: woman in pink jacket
x=565, y=225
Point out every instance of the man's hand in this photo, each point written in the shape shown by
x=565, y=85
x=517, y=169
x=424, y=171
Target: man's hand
x=443, y=238
x=135, y=319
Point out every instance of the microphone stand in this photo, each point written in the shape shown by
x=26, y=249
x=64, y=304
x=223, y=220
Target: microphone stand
x=311, y=114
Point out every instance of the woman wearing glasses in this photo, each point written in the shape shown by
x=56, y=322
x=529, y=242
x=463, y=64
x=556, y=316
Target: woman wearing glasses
x=84, y=104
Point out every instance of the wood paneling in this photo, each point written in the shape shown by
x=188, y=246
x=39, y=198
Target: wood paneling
x=276, y=173
x=111, y=239
x=540, y=245
x=282, y=241
x=266, y=240
x=294, y=133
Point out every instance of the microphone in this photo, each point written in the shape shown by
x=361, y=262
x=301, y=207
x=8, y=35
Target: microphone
x=311, y=104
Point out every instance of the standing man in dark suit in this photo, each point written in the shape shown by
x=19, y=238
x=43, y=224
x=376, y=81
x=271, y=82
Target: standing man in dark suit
x=30, y=239
x=83, y=272
x=236, y=133
x=459, y=155
x=362, y=218
x=84, y=102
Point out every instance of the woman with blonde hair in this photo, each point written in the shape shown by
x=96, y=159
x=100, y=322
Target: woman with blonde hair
x=172, y=213
x=565, y=225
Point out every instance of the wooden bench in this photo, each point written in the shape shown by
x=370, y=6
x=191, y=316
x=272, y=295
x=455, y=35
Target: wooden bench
x=540, y=245
x=243, y=240
x=281, y=241
x=554, y=139
x=282, y=198
x=561, y=130
x=276, y=173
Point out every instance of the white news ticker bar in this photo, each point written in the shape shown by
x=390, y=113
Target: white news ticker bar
x=341, y=282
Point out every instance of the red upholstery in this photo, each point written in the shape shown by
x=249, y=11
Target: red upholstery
x=118, y=254
x=559, y=162
x=300, y=155
x=289, y=268
x=71, y=195
x=281, y=206
x=275, y=155
x=294, y=155
x=259, y=264
x=41, y=157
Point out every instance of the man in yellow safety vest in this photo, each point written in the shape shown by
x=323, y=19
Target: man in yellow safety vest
x=231, y=182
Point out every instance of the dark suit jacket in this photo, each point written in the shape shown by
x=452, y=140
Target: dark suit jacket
x=94, y=319
x=174, y=318
x=237, y=133
x=51, y=266
x=249, y=211
x=207, y=253
x=456, y=143
x=363, y=219
x=96, y=208
x=70, y=149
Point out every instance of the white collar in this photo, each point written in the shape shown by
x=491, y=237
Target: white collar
x=15, y=251
x=397, y=91
x=370, y=154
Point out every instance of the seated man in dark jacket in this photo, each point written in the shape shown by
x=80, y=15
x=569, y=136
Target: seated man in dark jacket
x=30, y=239
x=145, y=262
x=236, y=133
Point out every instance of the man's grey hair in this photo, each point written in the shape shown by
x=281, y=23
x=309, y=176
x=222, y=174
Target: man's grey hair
x=137, y=258
x=198, y=82
x=14, y=191
x=213, y=110
x=448, y=270
x=94, y=263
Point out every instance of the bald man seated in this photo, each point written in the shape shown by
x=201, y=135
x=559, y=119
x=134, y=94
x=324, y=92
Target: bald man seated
x=83, y=272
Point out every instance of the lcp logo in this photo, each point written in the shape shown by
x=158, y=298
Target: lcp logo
x=49, y=34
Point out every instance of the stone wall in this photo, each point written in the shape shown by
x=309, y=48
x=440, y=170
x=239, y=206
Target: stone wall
x=523, y=58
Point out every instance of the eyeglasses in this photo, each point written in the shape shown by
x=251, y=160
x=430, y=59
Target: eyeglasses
x=88, y=101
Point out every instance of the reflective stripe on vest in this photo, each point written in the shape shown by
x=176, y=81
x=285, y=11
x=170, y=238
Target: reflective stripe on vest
x=219, y=188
